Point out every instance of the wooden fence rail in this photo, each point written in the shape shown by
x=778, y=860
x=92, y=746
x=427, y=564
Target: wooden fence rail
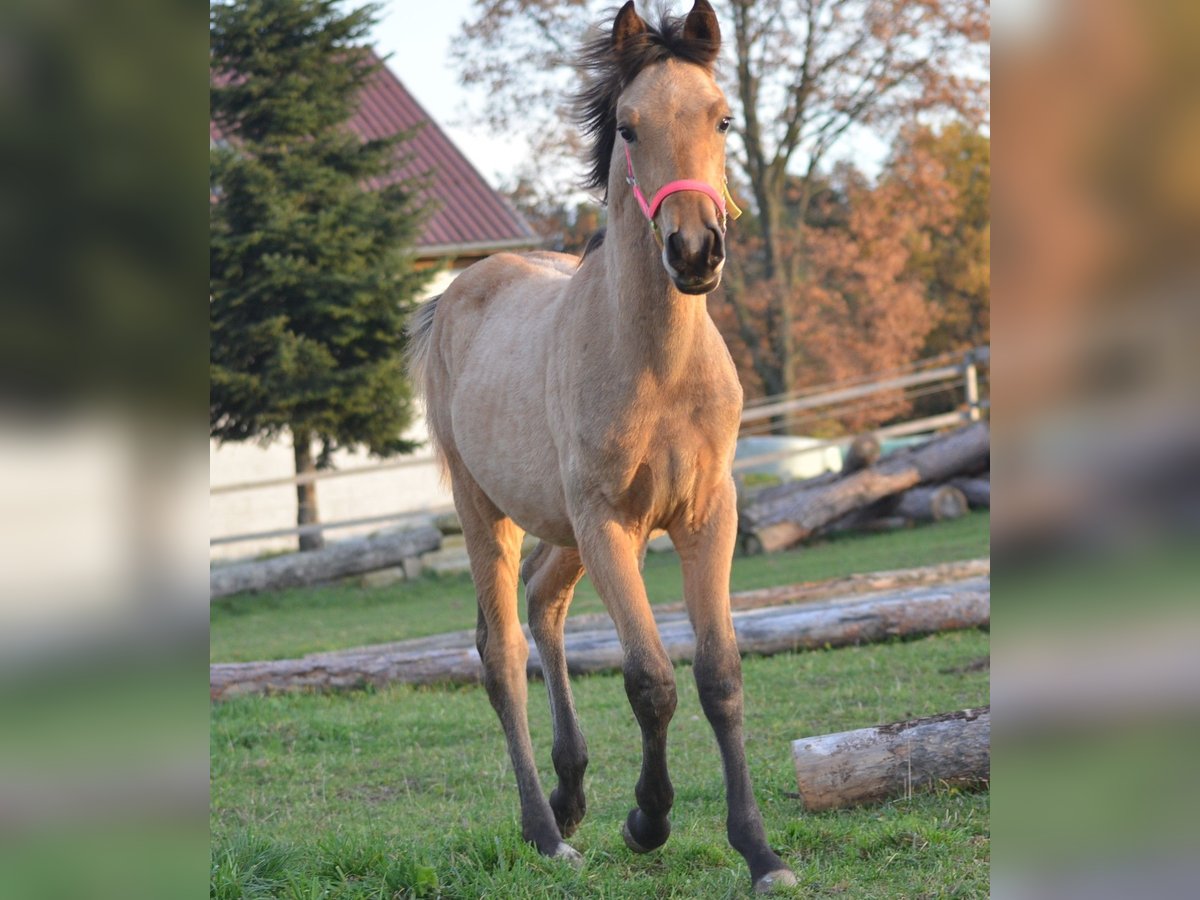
x=831, y=398
x=322, y=474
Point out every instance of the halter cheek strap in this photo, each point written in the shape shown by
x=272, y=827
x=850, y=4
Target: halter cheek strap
x=674, y=187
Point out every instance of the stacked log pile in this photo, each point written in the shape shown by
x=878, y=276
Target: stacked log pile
x=940, y=479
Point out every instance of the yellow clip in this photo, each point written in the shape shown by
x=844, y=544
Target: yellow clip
x=735, y=211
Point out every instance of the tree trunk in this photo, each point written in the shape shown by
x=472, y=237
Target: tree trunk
x=593, y=646
x=306, y=492
x=977, y=490
x=796, y=511
x=871, y=765
x=351, y=557
x=924, y=503
x=930, y=503
x=863, y=451
x=849, y=585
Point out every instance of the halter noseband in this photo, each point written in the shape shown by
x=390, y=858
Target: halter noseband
x=674, y=187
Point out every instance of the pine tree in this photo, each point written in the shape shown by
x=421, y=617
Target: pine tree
x=311, y=272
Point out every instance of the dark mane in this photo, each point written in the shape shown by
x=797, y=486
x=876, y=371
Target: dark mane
x=594, y=243
x=607, y=73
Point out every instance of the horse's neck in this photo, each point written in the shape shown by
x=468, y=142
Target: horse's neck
x=656, y=326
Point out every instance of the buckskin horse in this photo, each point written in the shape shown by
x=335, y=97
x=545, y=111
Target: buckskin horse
x=590, y=401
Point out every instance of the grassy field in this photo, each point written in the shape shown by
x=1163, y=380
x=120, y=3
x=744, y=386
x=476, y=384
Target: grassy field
x=408, y=791
x=292, y=623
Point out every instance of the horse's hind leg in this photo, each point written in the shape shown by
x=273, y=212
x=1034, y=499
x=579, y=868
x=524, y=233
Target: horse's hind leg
x=494, y=547
x=550, y=575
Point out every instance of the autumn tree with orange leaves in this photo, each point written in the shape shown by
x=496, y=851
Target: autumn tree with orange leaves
x=858, y=303
x=955, y=260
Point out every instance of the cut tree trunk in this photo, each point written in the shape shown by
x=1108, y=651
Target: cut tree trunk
x=930, y=503
x=790, y=516
x=924, y=503
x=977, y=490
x=351, y=557
x=943, y=574
x=864, y=451
x=306, y=493
x=871, y=765
x=453, y=658
x=884, y=582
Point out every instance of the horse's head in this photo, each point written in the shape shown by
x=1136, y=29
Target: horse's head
x=659, y=120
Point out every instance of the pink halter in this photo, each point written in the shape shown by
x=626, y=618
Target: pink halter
x=672, y=187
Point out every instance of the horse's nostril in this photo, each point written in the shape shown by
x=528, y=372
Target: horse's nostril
x=716, y=252
x=697, y=256
x=675, y=248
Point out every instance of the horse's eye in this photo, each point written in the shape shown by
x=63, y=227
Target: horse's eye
x=723, y=125
x=626, y=134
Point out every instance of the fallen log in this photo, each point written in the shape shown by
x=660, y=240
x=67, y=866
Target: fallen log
x=870, y=765
x=877, y=525
x=350, y=557
x=930, y=503
x=863, y=451
x=924, y=503
x=792, y=515
x=453, y=658
x=977, y=490
x=847, y=586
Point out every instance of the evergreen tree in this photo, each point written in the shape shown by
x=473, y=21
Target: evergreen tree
x=311, y=275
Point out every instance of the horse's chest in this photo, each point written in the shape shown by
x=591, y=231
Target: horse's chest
x=645, y=452
x=646, y=478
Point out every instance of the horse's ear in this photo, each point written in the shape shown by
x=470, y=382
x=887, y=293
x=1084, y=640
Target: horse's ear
x=627, y=25
x=701, y=26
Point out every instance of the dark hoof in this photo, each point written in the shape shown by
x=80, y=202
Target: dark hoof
x=568, y=811
x=780, y=878
x=641, y=836
x=630, y=842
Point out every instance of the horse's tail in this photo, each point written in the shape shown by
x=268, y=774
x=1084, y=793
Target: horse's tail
x=420, y=329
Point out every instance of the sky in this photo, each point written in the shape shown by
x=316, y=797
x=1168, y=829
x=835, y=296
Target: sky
x=419, y=36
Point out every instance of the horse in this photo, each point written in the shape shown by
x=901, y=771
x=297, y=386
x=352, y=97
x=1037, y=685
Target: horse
x=590, y=401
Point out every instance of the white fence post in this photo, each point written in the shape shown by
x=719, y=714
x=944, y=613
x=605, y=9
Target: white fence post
x=971, y=382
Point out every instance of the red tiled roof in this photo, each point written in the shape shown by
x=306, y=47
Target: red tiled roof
x=467, y=216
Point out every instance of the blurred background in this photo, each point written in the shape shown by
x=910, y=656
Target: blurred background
x=103, y=391
x=104, y=437
x=1096, y=279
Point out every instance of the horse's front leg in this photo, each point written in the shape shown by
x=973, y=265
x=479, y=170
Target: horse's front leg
x=611, y=555
x=705, y=543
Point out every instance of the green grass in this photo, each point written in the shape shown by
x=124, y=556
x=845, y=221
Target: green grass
x=408, y=791
x=291, y=623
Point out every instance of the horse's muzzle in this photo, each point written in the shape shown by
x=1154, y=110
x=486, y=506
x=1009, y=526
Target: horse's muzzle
x=695, y=258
